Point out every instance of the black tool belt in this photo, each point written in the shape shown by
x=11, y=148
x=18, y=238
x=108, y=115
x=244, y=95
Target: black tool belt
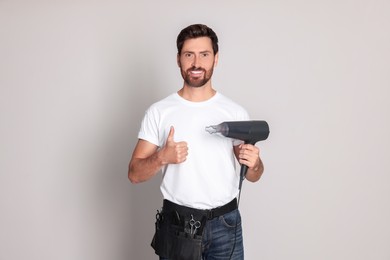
x=208, y=213
x=179, y=229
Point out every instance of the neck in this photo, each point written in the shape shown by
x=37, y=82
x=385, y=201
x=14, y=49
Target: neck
x=198, y=94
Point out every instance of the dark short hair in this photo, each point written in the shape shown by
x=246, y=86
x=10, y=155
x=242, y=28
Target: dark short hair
x=196, y=31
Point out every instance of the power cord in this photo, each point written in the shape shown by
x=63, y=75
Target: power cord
x=235, y=228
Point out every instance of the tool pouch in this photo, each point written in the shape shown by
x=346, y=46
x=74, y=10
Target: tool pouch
x=172, y=239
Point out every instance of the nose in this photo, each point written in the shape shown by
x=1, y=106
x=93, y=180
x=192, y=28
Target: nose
x=195, y=61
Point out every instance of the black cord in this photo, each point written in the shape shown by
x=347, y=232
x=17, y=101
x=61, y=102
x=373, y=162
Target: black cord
x=235, y=229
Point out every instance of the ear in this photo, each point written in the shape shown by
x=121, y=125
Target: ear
x=216, y=59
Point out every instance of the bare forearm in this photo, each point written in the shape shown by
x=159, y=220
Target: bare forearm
x=255, y=173
x=142, y=169
x=147, y=159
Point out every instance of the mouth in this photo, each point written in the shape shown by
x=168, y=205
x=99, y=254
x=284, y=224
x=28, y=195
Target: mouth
x=196, y=72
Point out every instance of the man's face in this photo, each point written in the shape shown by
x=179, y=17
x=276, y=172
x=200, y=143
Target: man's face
x=197, y=61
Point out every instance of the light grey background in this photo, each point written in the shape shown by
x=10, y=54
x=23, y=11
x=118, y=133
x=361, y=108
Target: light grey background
x=77, y=76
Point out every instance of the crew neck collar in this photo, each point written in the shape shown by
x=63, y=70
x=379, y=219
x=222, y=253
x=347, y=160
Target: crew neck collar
x=197, y=103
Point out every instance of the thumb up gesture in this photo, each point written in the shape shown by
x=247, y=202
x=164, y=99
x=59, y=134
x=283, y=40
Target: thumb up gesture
x=174, y=152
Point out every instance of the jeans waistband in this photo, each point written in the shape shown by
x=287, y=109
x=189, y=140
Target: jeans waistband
x=208, y=213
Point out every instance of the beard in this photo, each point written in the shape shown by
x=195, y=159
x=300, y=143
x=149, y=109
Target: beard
x=196, y=82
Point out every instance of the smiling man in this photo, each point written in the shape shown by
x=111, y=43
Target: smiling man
x=197, y=61
x=199, y=217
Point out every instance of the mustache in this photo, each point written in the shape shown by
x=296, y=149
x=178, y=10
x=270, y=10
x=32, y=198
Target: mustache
x=193, y=68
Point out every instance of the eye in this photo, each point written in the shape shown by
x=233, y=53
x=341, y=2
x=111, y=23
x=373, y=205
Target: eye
x=187, y=55
x=205, y=54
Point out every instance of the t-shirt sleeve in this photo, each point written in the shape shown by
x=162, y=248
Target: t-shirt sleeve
x=149, y=127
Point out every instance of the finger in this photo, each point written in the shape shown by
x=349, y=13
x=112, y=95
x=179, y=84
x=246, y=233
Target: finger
x=244, y=157
x=248, y=146
x=251, y=149
x=171, y=134
x=248, y=155
x=181, y=153
x=248, y=161
x=244, y=162
x=182, y=144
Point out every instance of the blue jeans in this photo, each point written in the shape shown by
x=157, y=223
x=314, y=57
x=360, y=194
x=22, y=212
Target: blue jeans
x=221, y=239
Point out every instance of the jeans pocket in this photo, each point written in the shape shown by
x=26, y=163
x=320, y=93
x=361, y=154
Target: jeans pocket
x=231, y=219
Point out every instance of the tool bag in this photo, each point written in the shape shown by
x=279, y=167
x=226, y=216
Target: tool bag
x=175, y=239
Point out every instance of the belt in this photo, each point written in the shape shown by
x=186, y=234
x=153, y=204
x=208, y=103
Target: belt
x=208, y=213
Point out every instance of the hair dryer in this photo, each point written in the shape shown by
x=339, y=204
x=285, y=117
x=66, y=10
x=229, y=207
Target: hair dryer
x=250, y=132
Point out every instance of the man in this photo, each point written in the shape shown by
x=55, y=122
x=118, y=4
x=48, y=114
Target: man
x=200, y=218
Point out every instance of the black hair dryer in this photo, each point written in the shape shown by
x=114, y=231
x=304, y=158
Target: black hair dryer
x=250, y=132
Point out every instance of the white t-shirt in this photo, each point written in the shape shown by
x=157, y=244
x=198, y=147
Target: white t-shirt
x=208, y=178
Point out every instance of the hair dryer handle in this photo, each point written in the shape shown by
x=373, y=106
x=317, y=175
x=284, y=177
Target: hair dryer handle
x=243, y=171
x=244, y=168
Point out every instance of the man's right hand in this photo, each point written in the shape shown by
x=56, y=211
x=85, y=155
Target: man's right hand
x=173, y=152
